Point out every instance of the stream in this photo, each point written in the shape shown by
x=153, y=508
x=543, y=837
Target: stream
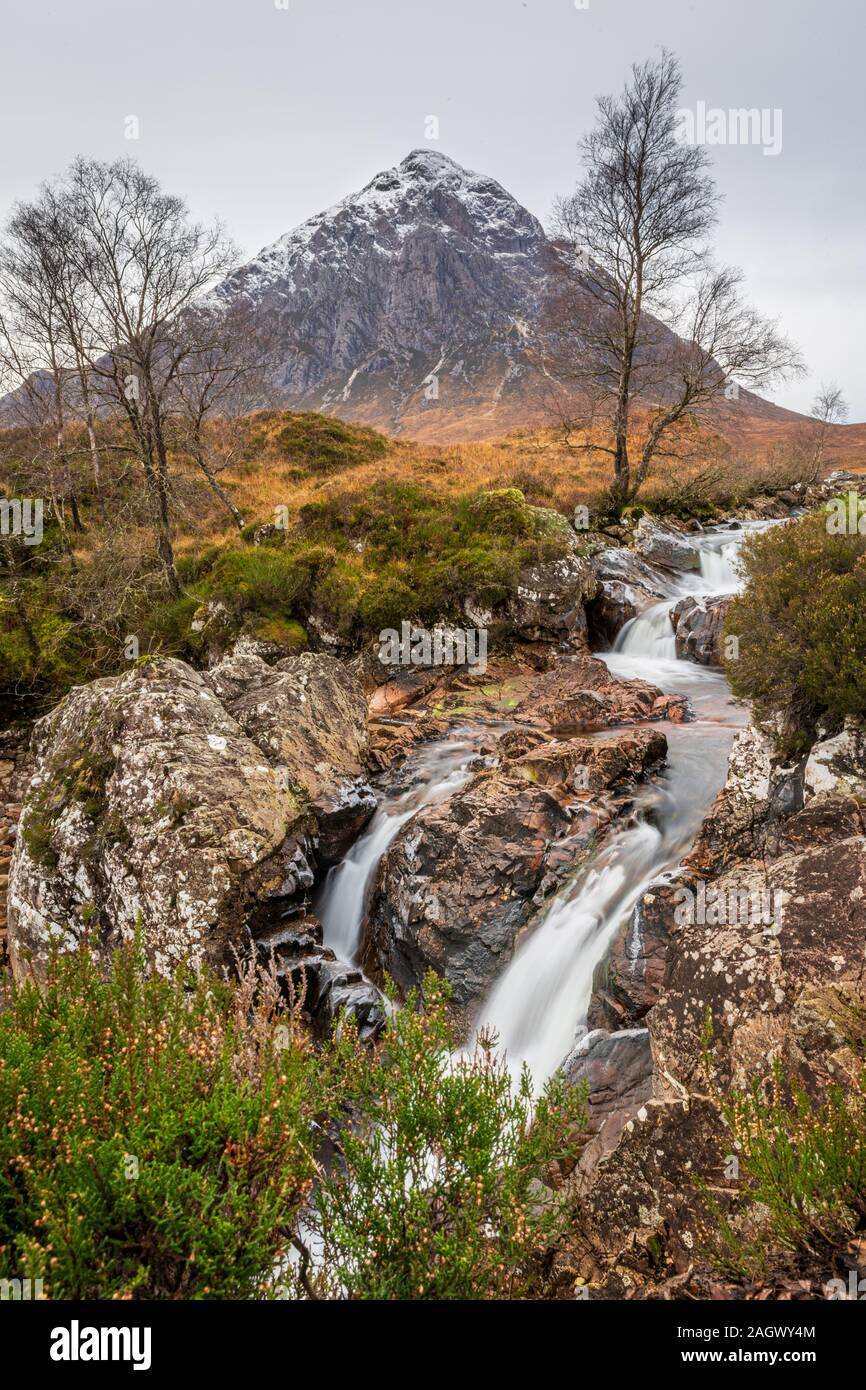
x=538, y=1006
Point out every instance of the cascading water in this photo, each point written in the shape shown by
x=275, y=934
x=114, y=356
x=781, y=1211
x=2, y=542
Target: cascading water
x=436, y=773
x=538, y=1007
x=651, y=634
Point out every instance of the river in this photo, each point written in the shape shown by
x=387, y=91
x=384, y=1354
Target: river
x=538, y=1006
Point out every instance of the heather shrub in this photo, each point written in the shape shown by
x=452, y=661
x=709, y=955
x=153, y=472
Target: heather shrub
x=801, y=625
x=156, y=1136
x=439, y=1188
x=803, y=1163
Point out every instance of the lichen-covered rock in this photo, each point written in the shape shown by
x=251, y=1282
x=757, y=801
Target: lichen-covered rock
x=548, y=603
x=149, y=805
x=762, y=964
x=745, y=973
x=837, y=766
x=307, y=713
x=183, y=802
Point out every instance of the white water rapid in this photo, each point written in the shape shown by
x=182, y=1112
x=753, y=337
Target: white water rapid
x=538, y=1007
x=440, y=769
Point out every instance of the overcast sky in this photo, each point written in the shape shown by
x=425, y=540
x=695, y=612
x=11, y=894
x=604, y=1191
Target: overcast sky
x=264, y=115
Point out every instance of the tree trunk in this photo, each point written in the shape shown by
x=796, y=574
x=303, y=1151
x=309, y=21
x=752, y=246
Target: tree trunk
x=218, y=490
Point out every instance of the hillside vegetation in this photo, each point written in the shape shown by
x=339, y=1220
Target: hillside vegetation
x=303, y=523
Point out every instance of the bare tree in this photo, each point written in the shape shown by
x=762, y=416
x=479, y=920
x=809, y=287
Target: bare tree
x=224, y=370
x=49, y=296
x=828, y=408
x=34, y=367
x=640, y=321
x=140, y=264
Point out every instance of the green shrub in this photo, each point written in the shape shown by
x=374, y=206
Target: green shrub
x=54, y=654
x=801, y=624
x=387, y=601
x=804, y=1162
x=323, y=443
x=156, y=1137
x=439, y=1189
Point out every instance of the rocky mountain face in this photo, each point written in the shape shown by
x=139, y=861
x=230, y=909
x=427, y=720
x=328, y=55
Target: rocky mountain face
x=405, y=304
x=411, y=306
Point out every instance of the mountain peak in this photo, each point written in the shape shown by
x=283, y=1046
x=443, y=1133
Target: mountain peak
x=429, y=270
x=432, y=164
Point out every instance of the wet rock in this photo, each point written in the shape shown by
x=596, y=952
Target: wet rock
x=582, y=694
x=628, y=585
x=456, y=885
x=392, y=737
x=326, y=986
x=698, y=622
x=659, y=543
x=402, y=690
x=628, y=982
x=462, y=878
x=736, y=824
x=617, y=1069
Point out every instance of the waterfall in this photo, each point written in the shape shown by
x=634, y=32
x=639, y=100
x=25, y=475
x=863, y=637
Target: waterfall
x=538, y=1006
x=650, y=634
x=439, y=770
x=719, y=572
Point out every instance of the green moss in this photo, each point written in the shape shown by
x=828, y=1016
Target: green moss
x=37, y=830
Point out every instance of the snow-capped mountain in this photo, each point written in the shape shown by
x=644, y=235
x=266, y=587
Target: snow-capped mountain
x=407, y=305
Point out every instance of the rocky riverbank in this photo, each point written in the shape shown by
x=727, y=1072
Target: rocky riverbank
x=202, y=809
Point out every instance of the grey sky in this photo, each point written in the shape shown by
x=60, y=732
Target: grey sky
x=265, y=115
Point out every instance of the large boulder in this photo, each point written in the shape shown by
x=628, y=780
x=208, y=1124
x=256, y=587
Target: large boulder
x=308, y=714
x=698, y=621
x=548, y=603
x=181, y=803
x=662, y=544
